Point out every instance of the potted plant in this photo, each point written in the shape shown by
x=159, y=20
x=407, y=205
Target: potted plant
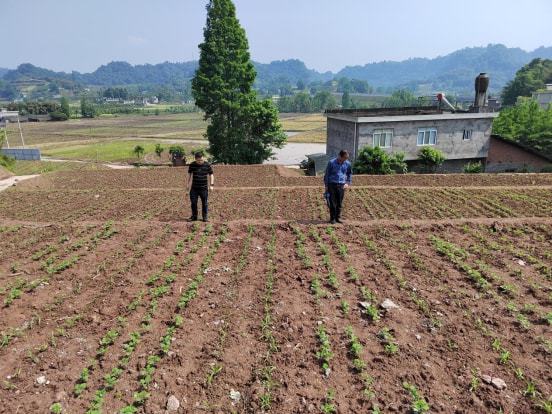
x=177, y=155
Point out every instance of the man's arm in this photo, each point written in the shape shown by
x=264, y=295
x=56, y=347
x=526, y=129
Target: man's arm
x=189, y=184
x=349, y=174
x=327, y=175
x=212, y=175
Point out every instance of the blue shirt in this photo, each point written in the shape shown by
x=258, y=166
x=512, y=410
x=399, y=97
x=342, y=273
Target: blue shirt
x=337, y=173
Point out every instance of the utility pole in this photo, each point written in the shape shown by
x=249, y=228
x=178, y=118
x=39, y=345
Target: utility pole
x=20, y=131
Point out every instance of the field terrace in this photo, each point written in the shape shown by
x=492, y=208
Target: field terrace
x=113, y=303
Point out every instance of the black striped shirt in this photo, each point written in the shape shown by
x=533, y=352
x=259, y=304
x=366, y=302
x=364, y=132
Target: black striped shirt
x=200, y=175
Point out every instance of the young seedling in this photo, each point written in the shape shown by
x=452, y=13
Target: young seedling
x=56, y=408
x=345, y=307
x=324, y=354
x=353, y=275
x=213, y=372
x=388, y=340
x=475, y=381
x=419, y=404
x=328, y=407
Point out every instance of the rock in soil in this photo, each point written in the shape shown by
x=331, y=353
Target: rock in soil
x=173, y=404
x=388, y=304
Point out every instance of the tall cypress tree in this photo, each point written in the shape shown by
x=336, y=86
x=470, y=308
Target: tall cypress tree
x=242, y=130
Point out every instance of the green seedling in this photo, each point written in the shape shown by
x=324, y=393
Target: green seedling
x=213, y=372
x=56, y=408
x=345, y=307
x=419, y=404
x=328, y=407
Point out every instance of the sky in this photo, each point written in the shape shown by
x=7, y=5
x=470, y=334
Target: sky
x=81, y=35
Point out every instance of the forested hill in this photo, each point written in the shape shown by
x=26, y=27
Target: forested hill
x=3, y=71
x=453, y=73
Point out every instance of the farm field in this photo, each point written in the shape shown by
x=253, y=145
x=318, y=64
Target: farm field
x=435, y=296
x=111, y=139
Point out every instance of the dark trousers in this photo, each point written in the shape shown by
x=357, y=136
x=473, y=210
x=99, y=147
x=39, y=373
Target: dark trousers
x=337, y=192
x=196, y=193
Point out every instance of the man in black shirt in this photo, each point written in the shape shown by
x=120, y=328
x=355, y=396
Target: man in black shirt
x=198, y=179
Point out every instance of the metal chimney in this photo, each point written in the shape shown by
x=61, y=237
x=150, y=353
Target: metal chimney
x=481, y=86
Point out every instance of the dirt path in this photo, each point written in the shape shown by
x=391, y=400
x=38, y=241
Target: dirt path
x=9, y=182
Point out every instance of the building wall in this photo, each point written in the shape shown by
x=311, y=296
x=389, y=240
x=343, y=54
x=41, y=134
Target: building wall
x=543, y=98
x=504, y=156
x=449, y=137
x=26, y=154
x=341, y=135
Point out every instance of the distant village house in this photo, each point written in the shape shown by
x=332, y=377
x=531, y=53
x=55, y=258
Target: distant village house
x=462, y=136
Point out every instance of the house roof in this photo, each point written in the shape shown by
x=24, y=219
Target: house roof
x=406, y=114
x=523, y=147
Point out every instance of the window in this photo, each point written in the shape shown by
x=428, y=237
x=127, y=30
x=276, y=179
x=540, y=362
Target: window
x=427, y=136
x=468, y=134
x=382, y=138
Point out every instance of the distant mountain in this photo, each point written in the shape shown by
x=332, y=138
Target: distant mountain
x=454, y=72
x=3, y=71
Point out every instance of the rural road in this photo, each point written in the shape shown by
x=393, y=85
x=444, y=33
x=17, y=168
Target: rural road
x=8, y=182
x=293, y=153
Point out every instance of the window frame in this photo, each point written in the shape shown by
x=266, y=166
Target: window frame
x=427, y=133
x=467, y=135
x=385, y=133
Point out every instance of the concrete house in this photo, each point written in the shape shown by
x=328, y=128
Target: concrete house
x=463, y=136
x=544, y=97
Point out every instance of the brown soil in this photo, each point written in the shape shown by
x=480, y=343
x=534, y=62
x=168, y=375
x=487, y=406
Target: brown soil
x=106, y=258
x=4, y=173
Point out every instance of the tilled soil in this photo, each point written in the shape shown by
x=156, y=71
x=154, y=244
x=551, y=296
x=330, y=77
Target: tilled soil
x=449, y=332
x=112, y=303
x=257, y=176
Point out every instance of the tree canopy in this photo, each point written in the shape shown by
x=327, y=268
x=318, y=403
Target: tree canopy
x=528, y=124
x=241, y=128
x=530, y=78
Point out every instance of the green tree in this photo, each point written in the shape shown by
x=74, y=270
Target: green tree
x=87, y=109
x=159, y=149
x=529, y=79
x=65, y=107
x=241, y=129
x=528, y=124
x=374, y=160
x=400, y=98
x=346, y=101
x=431, y=159
x=138, y=151
x=323, y=100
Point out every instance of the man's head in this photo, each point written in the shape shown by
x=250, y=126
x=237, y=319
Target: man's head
x=199, y=157
x=343, y=156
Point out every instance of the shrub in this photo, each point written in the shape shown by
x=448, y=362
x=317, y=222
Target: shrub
x=58, y=116
x=6, y=162
x=473, y=167
x=431, y=158
x=546, y=169
x=374, y=160
x=176, y=150
x=138, y=151
x=159, y=149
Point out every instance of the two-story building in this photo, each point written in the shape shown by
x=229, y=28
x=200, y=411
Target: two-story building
x=462, y=136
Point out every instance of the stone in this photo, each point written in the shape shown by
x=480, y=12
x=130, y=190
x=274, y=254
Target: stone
x=41, y=380
x=235, y=396
x=498, y=383
x=364, y=305
x=173, y=404
x=388, y=305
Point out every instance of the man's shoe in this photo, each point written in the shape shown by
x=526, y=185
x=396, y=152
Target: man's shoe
x=192, y=219
x=206, y=220
x=339, y=221
x=332, y=221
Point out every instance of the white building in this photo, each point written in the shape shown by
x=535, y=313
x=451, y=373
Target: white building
x=544, y=97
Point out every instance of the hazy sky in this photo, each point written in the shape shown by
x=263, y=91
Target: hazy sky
x=326, y=34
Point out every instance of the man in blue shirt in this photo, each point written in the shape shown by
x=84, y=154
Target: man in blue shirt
x=337, y=179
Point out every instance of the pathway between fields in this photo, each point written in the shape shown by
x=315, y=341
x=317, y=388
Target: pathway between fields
x=9, y=182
